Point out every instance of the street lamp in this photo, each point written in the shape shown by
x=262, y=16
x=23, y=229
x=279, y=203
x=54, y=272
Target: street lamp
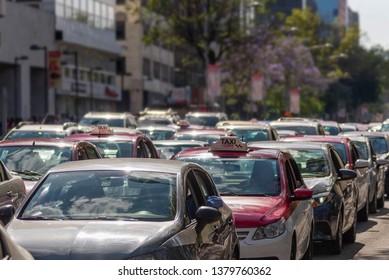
x=16, y=62
x=91, y=72
x=46, y=82
x=75, y=56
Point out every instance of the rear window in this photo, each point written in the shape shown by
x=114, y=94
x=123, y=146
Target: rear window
x=96, y=121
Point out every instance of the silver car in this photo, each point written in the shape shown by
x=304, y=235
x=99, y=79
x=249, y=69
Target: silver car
x=128, y=208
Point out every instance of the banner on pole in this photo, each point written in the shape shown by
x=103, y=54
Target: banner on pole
x=54, y=69
x=213, y=81
x=257, y=87
x=294, y=96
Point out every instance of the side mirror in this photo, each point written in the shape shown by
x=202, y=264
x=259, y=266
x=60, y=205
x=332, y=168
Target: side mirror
x=361, y=163
x=382, y=161
x=6, y=213
x=205, y=215
x=302, y=194
x=346, y=174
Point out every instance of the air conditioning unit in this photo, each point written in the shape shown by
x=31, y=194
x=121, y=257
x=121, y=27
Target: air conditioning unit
x=2, y=8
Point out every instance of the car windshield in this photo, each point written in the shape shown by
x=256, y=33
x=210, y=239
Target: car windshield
x=209, y=138
x=302, y=130
x=104, y=195
x=311, y=162
x=112, y=122
x=241, y=176
x=379, y=144
x=155, y=134
x=209, y=121
x=114, y=149
x=331, y=130
x=24, y=134
x=33, y=161
x=246, y=135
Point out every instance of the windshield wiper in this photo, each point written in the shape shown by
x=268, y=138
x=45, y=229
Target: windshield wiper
x=229, y=193
x=27, y=172
x=42, y=218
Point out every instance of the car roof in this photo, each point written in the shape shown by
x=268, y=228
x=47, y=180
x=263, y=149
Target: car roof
x=284, y=144
x=39, y=142
x=294, y=123
x=179, y=142
x=43, y=127
x=252, y=152
x=117, y=136
x=203, y=131
x=107, y=114
x=156, y=127
x=125, y=164
x=322, y=138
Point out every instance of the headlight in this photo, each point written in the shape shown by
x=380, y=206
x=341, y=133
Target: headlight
x=270, y=231
x=321, y=198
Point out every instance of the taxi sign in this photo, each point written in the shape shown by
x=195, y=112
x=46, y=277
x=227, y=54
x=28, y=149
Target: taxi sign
x=101, y=130
x=229, y=143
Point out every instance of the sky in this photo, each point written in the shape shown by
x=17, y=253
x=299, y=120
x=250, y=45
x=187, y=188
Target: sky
x=373, y=21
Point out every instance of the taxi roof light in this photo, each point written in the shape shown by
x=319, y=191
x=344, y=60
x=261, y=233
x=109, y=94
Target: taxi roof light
x=102, y=129
x=229, y=143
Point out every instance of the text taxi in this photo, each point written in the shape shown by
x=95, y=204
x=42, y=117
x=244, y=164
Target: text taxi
x=270, y=201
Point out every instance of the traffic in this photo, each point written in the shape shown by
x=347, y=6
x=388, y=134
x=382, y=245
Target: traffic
x=115, y=193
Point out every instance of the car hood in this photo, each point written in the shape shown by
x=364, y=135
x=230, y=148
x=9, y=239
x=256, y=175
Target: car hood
x=320, y=184
x=63, y=240
x=256, y=211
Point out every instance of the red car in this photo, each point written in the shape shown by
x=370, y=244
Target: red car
x=119, y=145
x=269, y=199
x=31, y=158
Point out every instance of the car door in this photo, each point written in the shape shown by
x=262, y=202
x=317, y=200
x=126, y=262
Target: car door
x=301, y=210
x=348, y=189
x=223, y=235
x=195, y=240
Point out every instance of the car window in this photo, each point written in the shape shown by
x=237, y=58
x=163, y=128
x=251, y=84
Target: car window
x=292, y=184
x=379, y=144
x=91, y=152
x=23, y=134
x=337, y=161
x=2, y=172
x=312, y=162
x=92, y=195
x=362, y=149
x=341, y=148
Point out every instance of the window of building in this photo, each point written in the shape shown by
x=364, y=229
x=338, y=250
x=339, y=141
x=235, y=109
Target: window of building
x=120, y=30
x=120, y=2
x=157, y=70
x=146, y=67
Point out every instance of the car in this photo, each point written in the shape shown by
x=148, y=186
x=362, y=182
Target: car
x=31, y=158
x=270, y=201
x=302, y=127
x=331, y=127
x=349, y=154
x=10, y=250
x=112, y=119
x=29, y=130
x=168, y=148
x=257, y=132
x=12, y=189
x=334, y=192
x=158, y=132
x=206, y=135
x=380, y=144
x=222, y=124
x=207, y=119
x=170, y=114
x=348, y=127
x=125, y=209
x=120, y=144
x=376, y=171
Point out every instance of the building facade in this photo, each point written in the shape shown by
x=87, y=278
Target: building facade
x=82, y=36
